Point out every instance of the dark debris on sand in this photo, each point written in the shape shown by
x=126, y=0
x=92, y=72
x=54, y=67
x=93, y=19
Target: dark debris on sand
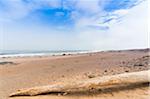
x=138, y=62
x=6, y=62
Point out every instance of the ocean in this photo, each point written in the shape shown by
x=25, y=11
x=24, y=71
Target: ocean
x=17, y=53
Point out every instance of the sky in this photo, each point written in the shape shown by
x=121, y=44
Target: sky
x=73, y=24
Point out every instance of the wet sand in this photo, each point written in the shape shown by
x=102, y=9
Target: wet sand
x=25, y=72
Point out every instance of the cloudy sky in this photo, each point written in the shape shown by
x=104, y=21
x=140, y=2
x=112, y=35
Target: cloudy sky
x=73, y=24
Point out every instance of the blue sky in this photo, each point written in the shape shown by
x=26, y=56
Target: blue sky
x=73, y=24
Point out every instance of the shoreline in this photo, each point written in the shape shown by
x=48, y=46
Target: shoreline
x=26, y=72
x=62, y=53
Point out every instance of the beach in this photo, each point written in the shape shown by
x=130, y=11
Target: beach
x=25, y=72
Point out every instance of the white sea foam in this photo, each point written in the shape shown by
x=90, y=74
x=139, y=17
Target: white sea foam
x=32, y=54
x=22, y=55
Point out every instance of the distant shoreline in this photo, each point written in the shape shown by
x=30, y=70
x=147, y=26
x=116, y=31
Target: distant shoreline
x=12, y=54
x=38, y=54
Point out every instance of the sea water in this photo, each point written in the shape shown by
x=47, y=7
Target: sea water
x=15, y=53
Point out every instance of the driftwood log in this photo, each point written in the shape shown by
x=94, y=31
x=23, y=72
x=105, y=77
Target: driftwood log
x=93, y=83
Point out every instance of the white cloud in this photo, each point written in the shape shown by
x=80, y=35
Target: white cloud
x=88, y=6
x=17, y=9
x=13, y=9
x=130, y=32
x=87, y=12
x=127, y=27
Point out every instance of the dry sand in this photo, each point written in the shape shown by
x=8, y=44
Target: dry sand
x=18, y=73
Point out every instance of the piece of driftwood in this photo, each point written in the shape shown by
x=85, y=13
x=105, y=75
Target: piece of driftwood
x=93, y=83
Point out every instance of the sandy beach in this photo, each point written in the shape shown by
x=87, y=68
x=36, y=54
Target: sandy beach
x=25, y=72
